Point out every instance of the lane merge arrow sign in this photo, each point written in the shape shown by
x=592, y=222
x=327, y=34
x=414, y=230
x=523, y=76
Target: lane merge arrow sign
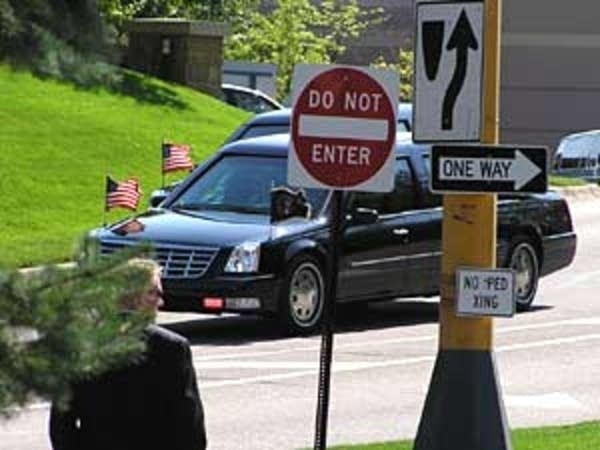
x=479, y=168
x=461, y=39
x=448, y=71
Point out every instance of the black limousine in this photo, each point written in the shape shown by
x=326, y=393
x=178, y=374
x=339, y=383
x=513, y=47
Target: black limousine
x=220, y=250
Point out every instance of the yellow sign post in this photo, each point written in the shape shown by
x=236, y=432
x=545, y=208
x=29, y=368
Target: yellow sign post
x=464, y=408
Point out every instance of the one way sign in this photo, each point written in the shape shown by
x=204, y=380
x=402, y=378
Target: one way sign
x=478, y=168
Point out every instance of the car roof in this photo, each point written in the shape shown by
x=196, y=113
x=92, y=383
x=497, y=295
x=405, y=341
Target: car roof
x=405, y=111
x=580, y=144
x=276, y=117
x=282, y=116
x=235, y=87
x=277, y=145
x=248, y=90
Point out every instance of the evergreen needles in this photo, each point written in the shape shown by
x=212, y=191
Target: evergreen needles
x=63, y=324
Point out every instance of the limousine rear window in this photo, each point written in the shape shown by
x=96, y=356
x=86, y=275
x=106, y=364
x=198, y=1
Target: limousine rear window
x=263, y=130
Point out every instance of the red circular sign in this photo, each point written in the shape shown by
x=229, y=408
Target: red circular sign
x=343, y=127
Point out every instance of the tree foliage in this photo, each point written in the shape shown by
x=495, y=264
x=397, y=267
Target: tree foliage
x=118, y=13
x=296, y=31
x=62, y=38
x=405, y=68
x=59, y=325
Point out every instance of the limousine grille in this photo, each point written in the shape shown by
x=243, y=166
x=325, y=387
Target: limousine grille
x=177, y=261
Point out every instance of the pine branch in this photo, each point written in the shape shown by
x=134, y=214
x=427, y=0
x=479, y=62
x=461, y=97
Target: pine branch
x=60, y=325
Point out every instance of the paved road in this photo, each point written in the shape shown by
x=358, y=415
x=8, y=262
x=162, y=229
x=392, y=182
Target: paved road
x=260, y=390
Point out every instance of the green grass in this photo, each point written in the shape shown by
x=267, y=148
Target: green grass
x=559, y=181
x=57, y=142
x=582, y=436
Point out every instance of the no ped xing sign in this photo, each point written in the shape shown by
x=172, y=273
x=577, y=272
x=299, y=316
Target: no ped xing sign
x=485, y=292
x=343, y=128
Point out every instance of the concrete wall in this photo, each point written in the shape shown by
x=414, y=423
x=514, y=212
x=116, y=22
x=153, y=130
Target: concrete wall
x=550, y=70
x=193, y=55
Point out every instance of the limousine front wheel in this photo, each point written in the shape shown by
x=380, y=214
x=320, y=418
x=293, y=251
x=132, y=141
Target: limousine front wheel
x=525, y=262
x=301, y=303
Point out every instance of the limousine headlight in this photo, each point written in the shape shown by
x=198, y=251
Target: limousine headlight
x=244, y=258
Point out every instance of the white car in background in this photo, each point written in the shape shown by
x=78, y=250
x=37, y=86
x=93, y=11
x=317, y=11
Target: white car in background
x=578, y=155
x=249, y=99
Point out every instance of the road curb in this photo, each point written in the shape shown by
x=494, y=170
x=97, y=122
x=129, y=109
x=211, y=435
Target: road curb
x=34, y=269
x=577, y=193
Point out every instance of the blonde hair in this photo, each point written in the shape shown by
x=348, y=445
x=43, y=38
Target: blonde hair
x=138, y=267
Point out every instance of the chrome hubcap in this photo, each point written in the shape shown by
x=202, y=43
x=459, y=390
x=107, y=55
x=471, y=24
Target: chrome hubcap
x=306, y=294
x=523, y=262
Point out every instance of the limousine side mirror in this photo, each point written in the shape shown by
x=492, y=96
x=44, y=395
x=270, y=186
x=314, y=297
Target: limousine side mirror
x=157, y=197
x=287, y=203
x=363, y=216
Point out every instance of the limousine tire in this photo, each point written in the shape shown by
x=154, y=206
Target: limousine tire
x=302, y=297
x=524, y=260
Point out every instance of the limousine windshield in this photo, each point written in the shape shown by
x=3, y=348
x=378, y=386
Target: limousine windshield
x=237, y=183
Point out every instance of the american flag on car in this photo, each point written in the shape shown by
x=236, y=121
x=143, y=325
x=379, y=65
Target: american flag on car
x=176, y=157
x=125, y=194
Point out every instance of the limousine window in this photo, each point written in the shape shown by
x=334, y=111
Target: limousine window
x=241, y=184
x=402, y=198
x=264, y=130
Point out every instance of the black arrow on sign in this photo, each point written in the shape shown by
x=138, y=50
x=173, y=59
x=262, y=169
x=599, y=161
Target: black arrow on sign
x=461, y=39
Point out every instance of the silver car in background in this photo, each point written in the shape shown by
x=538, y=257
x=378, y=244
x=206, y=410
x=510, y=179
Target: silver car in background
x=578, y=155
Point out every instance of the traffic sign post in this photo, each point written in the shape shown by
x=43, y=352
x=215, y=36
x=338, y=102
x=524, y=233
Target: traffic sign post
x=464, y=408
x=448, y=71
x=489, y=168
x=343, y=133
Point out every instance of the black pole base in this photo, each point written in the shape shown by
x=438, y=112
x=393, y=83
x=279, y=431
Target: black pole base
x=464, y=408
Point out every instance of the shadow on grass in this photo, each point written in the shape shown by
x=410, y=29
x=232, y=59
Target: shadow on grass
x=117, y=80
x=145, y=90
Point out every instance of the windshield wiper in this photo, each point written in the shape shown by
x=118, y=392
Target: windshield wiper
x=244, y=209
x=219, y=207
x=191, y=207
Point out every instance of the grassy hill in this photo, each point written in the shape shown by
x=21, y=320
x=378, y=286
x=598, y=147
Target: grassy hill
x=57, y=143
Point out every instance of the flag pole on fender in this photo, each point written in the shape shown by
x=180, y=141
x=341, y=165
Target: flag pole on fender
x=106, y=178
x=162, y=162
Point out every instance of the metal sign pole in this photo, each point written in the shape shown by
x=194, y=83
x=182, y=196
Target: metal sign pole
x=328, y=324
x=464, y=408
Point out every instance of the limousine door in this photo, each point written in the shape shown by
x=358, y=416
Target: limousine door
x=391, y=254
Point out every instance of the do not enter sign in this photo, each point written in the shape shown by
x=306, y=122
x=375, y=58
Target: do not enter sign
x=343, y=128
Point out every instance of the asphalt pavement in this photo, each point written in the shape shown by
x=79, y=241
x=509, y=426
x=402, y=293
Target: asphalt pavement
x=260, y=390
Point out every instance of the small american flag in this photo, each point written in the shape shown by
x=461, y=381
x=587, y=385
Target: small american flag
x=122, y=195
x=176, y=157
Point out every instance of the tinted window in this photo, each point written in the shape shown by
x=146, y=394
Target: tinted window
x=241, y=184
x=402, y=198
x=264, y=130
x=263, y=105
x=403, y=125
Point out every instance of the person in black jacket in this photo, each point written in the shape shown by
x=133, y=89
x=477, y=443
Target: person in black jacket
x=151, y=404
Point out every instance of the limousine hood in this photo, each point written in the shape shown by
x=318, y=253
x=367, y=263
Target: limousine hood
x=210, y=228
